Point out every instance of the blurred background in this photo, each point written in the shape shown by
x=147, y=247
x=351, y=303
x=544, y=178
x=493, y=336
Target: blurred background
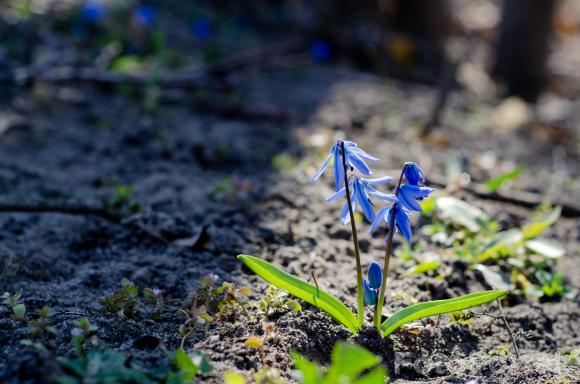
x=451, y=71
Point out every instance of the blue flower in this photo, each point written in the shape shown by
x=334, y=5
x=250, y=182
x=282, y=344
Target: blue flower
x=409, y=194
x=144, y=15
x=361, y=193
x=414, y=174
x=375, y=275
x=401, y=221
x=93, y=11
x=201, y=29
x=369, y=293
x=320, y=51
x=355, y=158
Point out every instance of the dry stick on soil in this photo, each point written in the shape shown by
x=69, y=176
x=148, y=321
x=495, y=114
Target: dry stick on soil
x=360, y=300
x=82, y=210
x=388, y=253
x=523, y=199
x=503, y=318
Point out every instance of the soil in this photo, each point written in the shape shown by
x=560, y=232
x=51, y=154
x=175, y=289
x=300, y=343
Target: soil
x=69, y=153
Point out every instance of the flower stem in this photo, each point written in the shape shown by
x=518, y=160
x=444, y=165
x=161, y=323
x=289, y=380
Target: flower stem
x=361, y=308
x=388, y=253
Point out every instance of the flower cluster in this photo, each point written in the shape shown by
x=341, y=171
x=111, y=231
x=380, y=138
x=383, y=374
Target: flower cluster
x=372, y=283
x=408, y=197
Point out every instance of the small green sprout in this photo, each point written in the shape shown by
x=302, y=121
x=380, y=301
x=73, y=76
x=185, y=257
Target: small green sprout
x=83, y=338
x=125, y=301
x=572, y=356
x=502, y=350
x=461, y=317
x=275, y=299
x=122, y=202
x=40, y=330
x=13, y=301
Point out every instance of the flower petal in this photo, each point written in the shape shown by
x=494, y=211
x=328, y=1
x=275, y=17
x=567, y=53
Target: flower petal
x=383, y=196
x=338, y=169
x=379, y=180
x=364, y=202
x=356, y=162
x=402, y=221
x=319, y=173
x=336, y=195
x=363, y=155
x=378, y=218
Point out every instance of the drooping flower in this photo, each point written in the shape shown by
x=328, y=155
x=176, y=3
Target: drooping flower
x=202, y=29
x=414, y=174
x=92, y=11
x=375, y=275
x=402, y=222
x=355, y=158
x=320, y=51
x=361, y=192
x=369, y=293
x=144, y=15
x=409, y=195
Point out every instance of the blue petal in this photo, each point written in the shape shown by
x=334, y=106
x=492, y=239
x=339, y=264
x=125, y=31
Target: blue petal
x=336, y=195
x=375, y=275
x=363, y=155
x=338, y=168
x=369, y=294
x=378, y=218
x=364, y=202
x=345, y=214
x=383, y=196
x=319, y=173
x=408, y=201
x=379, y=180
x=402, y=221
x=356, y=162
x=414, y=174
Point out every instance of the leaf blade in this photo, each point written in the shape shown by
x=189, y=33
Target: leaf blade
x=302, y=290
x=431, y=308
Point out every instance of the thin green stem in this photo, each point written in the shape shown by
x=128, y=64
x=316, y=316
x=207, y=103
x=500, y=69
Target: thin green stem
x=388, y=253
x=360, y=300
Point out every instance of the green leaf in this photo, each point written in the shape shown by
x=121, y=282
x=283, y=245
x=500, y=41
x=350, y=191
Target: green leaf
x=540, y=224
x=302, y=290
x=377, y=376
x=185, y=365
x=234, y=378
x=308, y=371
x=548, y=248
x=461, y=213
x=496, y=183
x=438, y=307
x=349, y=360
x=499, y=241
x=19, y=311
x=424, y=267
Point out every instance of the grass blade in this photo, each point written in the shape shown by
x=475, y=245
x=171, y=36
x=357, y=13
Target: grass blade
x=302, y=290
x=438, y=307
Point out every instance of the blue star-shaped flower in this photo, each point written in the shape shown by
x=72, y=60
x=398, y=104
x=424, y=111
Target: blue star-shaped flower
x=355, y=158
x=361, y=192
x=402, y=222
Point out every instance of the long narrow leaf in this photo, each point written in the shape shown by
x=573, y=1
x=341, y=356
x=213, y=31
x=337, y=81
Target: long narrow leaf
x=438, y=307
x=302, y=290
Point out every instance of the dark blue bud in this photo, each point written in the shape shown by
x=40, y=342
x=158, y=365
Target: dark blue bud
x=202, y=29
x=92, y=12
x=375, y=275
x=414, y=174
x=369, y=294
x=321, y=51
x=145, y=15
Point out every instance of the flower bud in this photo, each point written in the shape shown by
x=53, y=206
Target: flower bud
x=375, y=275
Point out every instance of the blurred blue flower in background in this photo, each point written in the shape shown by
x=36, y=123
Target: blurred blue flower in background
x=201, y=29
x=320, y=51
x=144, y=15
x=93, y=11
